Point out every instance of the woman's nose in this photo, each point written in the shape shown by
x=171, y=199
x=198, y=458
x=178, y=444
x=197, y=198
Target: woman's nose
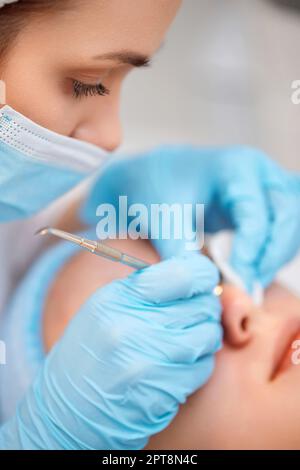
x=237, y=312
x=101, y=127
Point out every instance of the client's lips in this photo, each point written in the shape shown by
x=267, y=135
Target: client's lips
x=284, y=350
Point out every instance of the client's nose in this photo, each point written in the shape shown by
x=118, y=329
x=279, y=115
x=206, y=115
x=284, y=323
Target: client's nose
x=237, y=312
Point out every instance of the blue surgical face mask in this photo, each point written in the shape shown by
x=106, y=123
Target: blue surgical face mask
x=38, y=165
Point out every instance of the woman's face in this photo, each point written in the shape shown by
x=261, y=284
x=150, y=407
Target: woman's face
x=253, y=398
x=66, y=69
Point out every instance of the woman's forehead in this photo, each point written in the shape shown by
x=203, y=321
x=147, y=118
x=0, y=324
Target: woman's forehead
x=101, y=26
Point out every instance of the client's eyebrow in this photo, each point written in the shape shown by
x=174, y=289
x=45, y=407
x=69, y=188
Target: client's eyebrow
x=126, y=57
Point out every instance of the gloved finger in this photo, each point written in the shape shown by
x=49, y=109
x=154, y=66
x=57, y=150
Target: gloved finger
x=283, y=242
x=189, y=345
x=187, y=233
x=189, y=237
x=216, y=220
x=187, y=313
x=201, y=372
x=174, y=279
x=183, y=313
x=163, y=401
x=192, y=377
x=249, y=213
x=250, y=216
x=178, y=346
x=169, y=248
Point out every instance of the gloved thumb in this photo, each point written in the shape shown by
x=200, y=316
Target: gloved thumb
x=250, y=217
x=176, y=278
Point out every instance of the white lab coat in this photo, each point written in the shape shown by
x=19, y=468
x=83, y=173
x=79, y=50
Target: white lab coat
x=19, y=246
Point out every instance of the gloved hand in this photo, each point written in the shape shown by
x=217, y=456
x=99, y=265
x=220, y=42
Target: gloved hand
x=133, y=353
x=241, y=188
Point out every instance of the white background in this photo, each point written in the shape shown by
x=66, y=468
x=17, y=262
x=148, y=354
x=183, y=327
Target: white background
x=223, y=77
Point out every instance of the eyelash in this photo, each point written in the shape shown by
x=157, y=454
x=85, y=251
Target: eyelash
x=85, y=90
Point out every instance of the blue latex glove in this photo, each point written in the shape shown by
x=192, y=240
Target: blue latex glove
x=241, y=188
x=133, y=353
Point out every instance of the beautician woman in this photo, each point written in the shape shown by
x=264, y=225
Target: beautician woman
x=63, y=64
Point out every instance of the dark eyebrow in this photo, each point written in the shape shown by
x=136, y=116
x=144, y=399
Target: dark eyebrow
x=126, y=57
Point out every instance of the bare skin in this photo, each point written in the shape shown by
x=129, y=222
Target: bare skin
x=252, y=400
x=95, y=42
x=99, y=41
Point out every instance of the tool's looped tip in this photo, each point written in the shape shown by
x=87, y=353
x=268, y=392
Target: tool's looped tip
x=218, y=290
x=42, y=231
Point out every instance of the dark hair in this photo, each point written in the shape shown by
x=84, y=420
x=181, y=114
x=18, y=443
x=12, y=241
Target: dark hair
x=14, y=16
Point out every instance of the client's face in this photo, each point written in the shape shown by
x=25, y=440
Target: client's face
x=252, y=400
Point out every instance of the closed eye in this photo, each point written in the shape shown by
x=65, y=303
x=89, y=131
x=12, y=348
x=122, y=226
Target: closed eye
x=81, y=89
